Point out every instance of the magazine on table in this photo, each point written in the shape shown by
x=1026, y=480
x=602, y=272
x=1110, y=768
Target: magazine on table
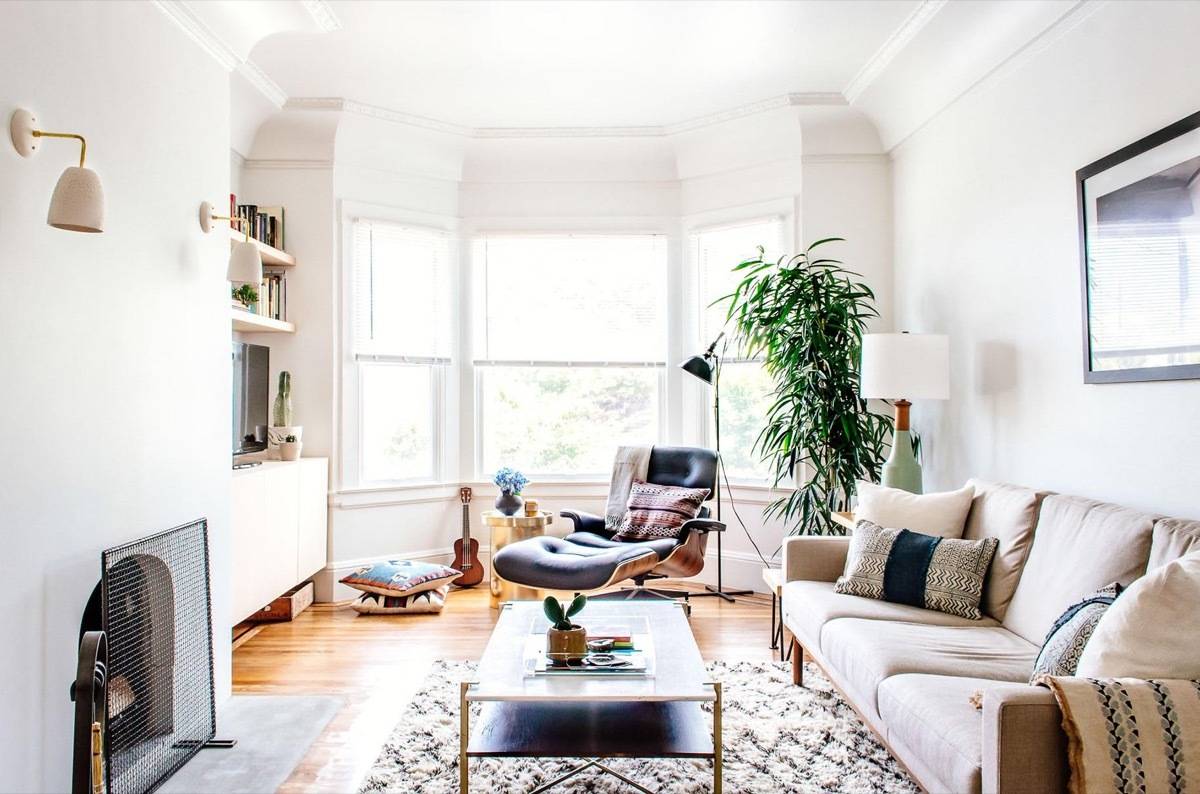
x=629, y=650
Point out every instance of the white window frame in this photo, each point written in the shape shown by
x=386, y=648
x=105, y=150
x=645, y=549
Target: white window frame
x=477, y=366
x=443, y=373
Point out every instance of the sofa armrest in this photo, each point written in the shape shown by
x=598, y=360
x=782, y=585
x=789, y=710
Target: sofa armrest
x=814, y=558
x=1024, y=747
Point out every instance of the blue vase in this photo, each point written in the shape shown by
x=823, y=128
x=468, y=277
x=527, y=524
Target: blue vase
x=509, y=504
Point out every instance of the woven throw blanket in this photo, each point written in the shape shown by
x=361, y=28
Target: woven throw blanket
x=1127, y=735
x=631, y=463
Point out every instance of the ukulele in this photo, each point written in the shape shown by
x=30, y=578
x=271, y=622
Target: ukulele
x=466, y=548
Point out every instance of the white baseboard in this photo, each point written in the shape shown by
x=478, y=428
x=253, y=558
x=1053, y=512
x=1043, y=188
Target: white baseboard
x=741, y=571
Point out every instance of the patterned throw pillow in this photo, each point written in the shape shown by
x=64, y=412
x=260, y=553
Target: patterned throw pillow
x=400, y=577
x=658, y=511
x=1070, y=633
x=944, y=574
x=423, y=602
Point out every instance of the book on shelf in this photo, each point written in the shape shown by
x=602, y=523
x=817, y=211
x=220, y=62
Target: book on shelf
x=272, y=295
x=266, y=224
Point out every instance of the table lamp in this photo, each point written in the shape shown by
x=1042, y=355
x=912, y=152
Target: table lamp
x=901, y=367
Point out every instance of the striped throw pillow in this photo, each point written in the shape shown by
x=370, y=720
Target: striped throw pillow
x=658, y=511
x=904, y=567
x=1069, y=635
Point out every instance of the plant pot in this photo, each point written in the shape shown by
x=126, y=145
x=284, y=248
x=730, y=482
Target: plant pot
x=509, y=504
x=276, y=436
x=290, y=450
x=564, y=647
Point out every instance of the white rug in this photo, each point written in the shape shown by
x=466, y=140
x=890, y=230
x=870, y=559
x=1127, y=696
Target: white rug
x=777, y=738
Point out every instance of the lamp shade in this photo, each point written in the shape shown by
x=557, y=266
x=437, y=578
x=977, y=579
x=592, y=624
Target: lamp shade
x=700, y=367
x=78, y=201
x=905, y=366
x=245, y=264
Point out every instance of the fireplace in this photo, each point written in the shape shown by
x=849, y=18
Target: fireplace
x=153, y=605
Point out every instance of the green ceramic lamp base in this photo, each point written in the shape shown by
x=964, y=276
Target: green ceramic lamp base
x=901, y=469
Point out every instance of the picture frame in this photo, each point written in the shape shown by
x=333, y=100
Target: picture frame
x=1139, y=251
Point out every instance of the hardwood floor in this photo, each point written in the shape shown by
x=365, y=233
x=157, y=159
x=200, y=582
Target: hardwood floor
x=377, y=662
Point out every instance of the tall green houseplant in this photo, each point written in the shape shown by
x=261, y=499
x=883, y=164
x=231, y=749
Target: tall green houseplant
x=805, y=315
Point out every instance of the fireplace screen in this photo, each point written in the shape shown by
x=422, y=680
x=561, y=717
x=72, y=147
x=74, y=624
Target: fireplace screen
x=157, y=615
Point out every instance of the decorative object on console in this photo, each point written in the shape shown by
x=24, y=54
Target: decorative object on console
x=531, y=508
x=707, y=368
x=1129, y=734
x=659, y=511
x=927, y=571
x=510, y=482
x=1069, y=635
x=466, y=548
x=290, y=448
x=400, y=577
x=77, y=204
x=422, y=603
x=1138, y=235
x=898, y=367
x=791, y=312
x=943, y=514
x=565, y=641
x=282, y=417
x=245, y=262
x=1151, y=630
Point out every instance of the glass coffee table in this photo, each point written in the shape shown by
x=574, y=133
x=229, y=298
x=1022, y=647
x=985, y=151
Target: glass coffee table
x=591, y=717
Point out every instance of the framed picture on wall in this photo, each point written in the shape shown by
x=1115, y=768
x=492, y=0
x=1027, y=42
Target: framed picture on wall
x=1139, y=243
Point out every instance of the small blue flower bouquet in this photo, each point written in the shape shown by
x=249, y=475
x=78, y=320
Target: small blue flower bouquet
x=510, y=480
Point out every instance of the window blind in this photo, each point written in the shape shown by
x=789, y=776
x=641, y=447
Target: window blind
x=716, y=251
x=570, y=300
x=402, y=277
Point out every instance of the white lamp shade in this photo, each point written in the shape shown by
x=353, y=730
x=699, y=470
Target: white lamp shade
x=78, y=201
x=245, y=264
x=905, y=366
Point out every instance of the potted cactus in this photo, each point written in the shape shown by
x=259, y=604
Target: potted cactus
x=289, y=449
x=281, y=418
x=565, y=642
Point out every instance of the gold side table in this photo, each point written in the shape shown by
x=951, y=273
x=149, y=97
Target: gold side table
x=509, y=529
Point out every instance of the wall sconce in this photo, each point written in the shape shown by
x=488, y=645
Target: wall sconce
x=78, y=201
x=245, y=262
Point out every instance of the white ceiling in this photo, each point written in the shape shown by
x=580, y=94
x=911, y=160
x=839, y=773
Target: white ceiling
x=516, y=63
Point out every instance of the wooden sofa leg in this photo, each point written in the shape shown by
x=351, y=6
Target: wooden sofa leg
x=797, y=663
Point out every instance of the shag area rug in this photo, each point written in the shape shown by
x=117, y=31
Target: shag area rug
x=777, y=738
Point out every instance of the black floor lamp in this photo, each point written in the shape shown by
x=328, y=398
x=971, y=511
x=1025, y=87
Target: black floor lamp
x=708, y=369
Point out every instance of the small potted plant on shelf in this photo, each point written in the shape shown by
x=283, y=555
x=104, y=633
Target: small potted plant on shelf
x=282, y=416
x=246, y=295
x=289, y=448
x=510, y=482
x=565, y=642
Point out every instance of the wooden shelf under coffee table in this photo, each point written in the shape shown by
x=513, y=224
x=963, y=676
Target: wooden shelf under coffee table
x=592, y=717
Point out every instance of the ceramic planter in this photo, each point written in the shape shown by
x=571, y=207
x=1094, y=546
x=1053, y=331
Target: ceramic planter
x=290, y=450
x=564, y=647
x=277, y=435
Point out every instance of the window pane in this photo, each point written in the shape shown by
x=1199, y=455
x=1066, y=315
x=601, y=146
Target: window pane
x=717, y=253
x=603, y=296
x=745, y=398
x=397, y=422
x=565, y=420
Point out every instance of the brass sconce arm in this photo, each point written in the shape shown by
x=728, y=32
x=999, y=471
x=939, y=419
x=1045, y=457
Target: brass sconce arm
x=80, y=138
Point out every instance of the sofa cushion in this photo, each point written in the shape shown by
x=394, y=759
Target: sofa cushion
x=1070, y=634
x=940, y=514
x=1151, y=630
x=866, y=652
x=807, y=606
x=1172, y=538
x=1007, y=513
x=1079, y=546
x=931, y=716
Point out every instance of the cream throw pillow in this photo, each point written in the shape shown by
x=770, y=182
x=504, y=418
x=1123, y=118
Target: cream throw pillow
x=1151, y=630
x=942, y=514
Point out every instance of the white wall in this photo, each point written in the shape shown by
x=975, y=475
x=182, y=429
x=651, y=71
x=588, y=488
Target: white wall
x=114, y=418
x=987, y=252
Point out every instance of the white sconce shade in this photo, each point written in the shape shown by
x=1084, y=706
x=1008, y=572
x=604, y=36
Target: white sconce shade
x=905, y=366
x=245, y=264
x=78, y=201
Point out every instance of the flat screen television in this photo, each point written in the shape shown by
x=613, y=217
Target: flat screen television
x=251, y=397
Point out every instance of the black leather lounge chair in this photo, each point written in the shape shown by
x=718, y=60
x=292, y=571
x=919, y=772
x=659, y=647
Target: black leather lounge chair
x=590, y=560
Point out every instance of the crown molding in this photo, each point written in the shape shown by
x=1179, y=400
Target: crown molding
x=199, y=32
x=264, y=84
x=874, y=159
x=339, y=104
x=322, y=14
x=901, y=37
x=290, y=165
x=237, y=159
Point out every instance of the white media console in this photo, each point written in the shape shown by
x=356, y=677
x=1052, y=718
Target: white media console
x=280, y=520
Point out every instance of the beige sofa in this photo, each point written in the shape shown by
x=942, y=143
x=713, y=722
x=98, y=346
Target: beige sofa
x=911, y=673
